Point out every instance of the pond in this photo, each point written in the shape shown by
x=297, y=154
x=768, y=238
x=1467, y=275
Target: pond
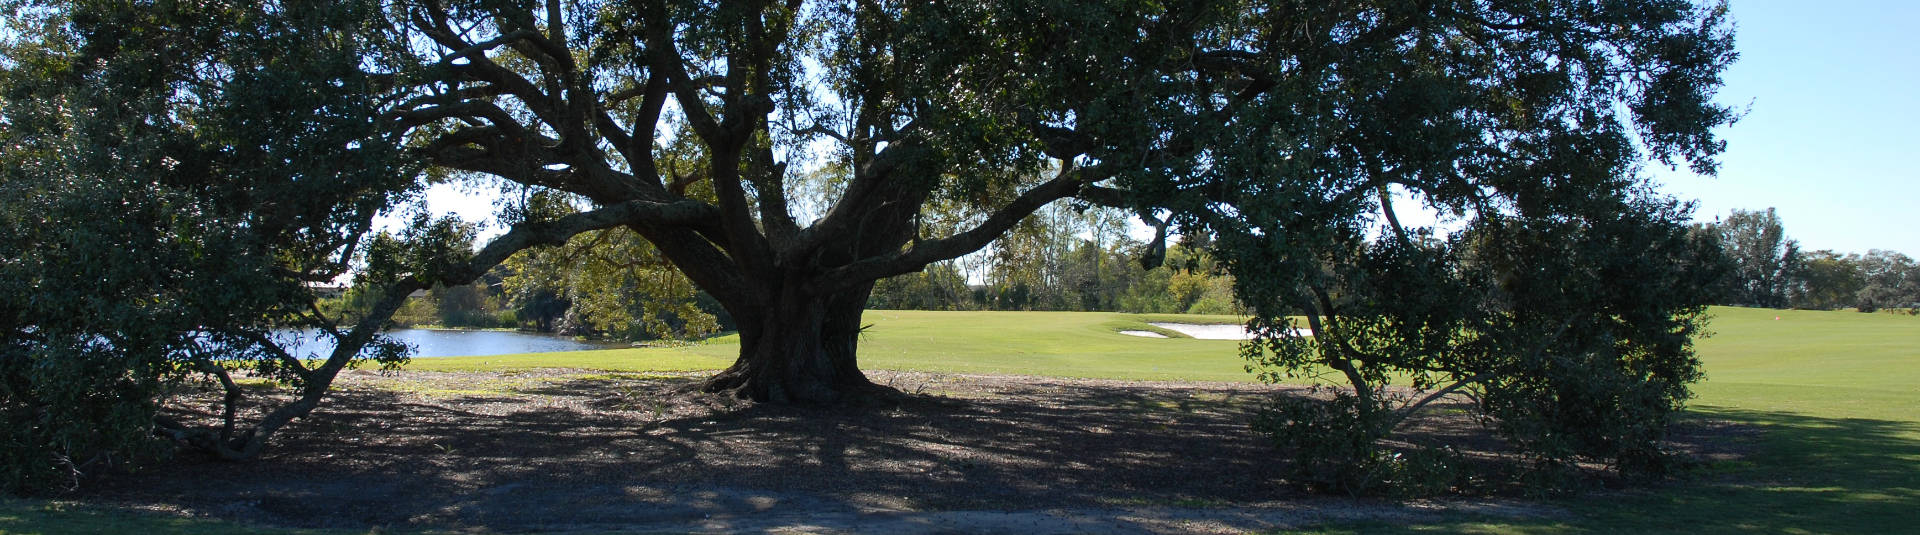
x=429, y=343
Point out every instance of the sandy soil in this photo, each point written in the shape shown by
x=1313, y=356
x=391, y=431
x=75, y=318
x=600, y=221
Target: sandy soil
x=561, y=450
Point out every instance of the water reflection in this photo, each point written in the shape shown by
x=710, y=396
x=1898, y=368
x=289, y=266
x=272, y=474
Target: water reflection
x=428, y=343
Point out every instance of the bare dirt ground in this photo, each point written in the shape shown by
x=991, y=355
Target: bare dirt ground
x=569, y=451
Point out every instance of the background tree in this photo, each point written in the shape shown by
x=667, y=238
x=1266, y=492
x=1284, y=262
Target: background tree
x=1772, y=271
x=941, y=286
x=1763, y=256
x=1190, y=282
x=1078, y=275
x=1826, y=280
x=1890, y=280
x=615, y=285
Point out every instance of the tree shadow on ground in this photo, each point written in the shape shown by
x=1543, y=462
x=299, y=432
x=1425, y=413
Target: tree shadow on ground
x=565, y=450
x=570, y=451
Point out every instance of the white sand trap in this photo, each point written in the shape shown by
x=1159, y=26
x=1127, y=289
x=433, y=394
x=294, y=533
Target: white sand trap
x=1216, y=332
x=1143, y=334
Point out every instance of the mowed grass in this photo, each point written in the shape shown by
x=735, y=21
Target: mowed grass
x=1839, y=453
x=1060, y=344
x=1833, y=392
x=1833, y=364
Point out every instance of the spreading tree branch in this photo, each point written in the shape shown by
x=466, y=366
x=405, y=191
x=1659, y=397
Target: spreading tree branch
x=1064, y=184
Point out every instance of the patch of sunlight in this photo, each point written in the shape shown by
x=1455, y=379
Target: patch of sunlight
x=1875, y=497
x=1497, y=529
x=1200, y=503
x=440, y=392
x=1834, y=490
x=616, y=376
x=956, y=394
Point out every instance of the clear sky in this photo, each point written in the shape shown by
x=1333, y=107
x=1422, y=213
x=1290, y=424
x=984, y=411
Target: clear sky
x=1830, y=137
x=1832, y=131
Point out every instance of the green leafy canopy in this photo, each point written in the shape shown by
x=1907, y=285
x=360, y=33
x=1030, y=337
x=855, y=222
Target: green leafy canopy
x=784, y=156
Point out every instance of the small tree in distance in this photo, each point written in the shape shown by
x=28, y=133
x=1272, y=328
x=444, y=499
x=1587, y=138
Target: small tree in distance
x=1826, y=280
x=1890, y=280
x=1764, y=258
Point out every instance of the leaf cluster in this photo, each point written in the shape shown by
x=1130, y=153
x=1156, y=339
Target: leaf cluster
x=1565, y=304
x=178, y=174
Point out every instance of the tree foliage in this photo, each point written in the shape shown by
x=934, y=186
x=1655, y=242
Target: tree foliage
x=1826, y=280
x=1764, y=259
x=1890, y=280
x=1067, y=259
x=1566, y=306
x=784, y=156
x=164, y=217
x=179, y=175
x=615, y=284
x=1771, y=270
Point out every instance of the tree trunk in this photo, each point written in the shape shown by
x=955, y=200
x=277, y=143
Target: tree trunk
x=800, y=347
x=803, y=351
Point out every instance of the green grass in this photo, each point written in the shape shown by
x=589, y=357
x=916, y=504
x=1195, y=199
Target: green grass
x=38, y=517
x=623, y=360
x=1061, y=344
x=1833, y=364
x=1834, y=393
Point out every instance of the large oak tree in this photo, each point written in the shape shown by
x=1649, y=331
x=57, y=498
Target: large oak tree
x=786, y=155
x=690, y=120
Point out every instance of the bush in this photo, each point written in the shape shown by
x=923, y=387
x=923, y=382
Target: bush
x=1335, y=446
x=66, y=413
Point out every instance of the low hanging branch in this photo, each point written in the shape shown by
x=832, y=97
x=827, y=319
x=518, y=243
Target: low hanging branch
x=1065, y=184
x=1400, y=418
x=317, y=381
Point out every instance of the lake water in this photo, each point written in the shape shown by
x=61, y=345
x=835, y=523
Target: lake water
x=428, y=343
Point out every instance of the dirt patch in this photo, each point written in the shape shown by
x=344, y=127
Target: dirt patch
x=565, y=450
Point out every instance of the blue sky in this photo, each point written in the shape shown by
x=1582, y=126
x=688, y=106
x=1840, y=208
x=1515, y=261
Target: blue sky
x=1831, y=92
x=1832, y=131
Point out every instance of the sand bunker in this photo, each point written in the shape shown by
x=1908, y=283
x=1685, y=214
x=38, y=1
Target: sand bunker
x=1143, y=334
x=1216, y=332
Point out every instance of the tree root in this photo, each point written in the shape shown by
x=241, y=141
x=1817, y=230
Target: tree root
x=850, y=394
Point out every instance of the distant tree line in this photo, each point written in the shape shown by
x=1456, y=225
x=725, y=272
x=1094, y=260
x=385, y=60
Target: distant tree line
x=611, y=284
x=608, y=284
x=1770, y=270
x=1068, y=260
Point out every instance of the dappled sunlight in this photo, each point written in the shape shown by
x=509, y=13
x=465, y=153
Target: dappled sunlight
x=505, y=451
x=546, y=449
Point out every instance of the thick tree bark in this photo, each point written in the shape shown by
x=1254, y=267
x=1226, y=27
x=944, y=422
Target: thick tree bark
x=802, y=345
x=803, y=351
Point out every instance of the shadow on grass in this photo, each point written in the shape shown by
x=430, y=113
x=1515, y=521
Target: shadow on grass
x=1806, y=475
x=38, y=517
